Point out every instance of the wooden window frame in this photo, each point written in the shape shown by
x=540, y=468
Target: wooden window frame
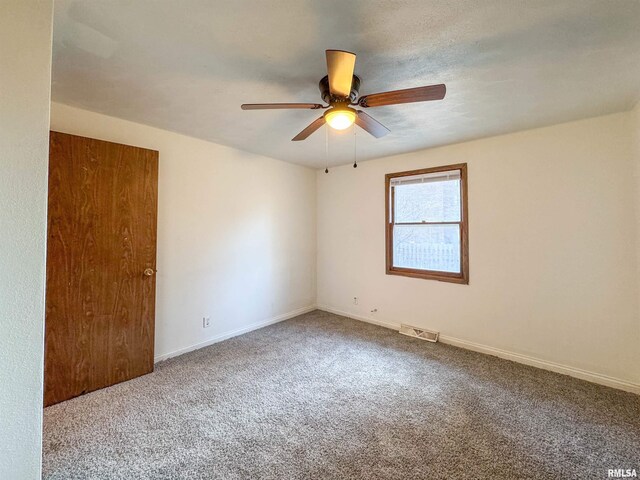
x=463, y=276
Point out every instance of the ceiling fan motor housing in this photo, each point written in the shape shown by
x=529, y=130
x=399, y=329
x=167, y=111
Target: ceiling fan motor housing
x=330, y=99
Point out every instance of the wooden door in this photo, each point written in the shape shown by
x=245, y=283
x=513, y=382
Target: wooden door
x=101, y=260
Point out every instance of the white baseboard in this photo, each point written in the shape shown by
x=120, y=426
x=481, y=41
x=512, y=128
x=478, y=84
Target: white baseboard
x=515, y=357
x=235, y=333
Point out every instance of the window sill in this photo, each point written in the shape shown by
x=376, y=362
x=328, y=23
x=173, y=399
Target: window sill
x=459, y=278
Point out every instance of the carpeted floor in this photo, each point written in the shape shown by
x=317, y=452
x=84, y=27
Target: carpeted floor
x=325, y=397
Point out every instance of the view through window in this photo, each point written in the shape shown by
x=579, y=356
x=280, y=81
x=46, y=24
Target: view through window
x=426, y=225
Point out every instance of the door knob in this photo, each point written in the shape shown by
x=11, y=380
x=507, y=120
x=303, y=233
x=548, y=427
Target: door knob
x=149, y=271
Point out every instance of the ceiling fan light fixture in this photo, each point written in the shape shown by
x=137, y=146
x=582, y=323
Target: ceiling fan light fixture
x=340, y=88
x=340, y=118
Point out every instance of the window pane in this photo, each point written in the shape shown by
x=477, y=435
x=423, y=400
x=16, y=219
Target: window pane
x=435, y=201
x=427, y=247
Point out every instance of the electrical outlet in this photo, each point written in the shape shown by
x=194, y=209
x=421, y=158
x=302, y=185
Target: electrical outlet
x=206, y=322
x=355, y=300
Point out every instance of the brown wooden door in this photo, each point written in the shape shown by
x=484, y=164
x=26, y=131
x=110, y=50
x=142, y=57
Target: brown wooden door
x=100, y=304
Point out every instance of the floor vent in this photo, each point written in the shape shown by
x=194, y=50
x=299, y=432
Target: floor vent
x=410, y=331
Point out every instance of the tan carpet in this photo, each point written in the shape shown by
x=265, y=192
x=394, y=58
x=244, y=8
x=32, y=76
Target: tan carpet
x=324, y=397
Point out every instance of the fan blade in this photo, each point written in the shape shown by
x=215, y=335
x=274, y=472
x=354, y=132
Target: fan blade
x=315, y=125
x=275, y=106
x=418, y=94
x=340, y=65
x=371, y=125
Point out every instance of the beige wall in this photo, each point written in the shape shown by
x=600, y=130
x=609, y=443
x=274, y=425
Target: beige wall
x=553, y=249
x=236, y=232
x=25, y=73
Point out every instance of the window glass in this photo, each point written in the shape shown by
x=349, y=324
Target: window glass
x=434, y=201
x=427, y=247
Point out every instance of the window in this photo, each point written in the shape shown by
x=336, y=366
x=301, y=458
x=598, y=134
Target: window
x=426, y=224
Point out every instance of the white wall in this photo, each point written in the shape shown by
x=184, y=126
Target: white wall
x=236, y=232
x=553, y=249
x=25, y=73
x=635, y=132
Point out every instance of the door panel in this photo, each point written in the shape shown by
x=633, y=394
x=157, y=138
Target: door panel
x=100, y=305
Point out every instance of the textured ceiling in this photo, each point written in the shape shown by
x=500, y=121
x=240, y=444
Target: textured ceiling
x=187, y=65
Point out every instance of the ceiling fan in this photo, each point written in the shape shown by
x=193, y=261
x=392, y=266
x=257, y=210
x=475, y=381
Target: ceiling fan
x=339, y=89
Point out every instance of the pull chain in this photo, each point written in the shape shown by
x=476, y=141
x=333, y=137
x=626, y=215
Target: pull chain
x=326, y=149
x=355, y=160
